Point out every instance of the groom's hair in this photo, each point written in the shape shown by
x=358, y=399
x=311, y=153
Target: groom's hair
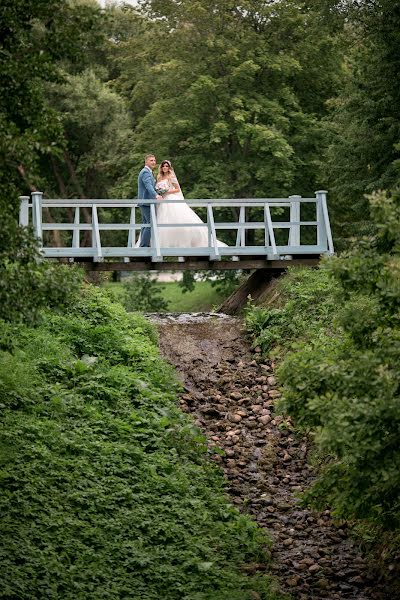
x=148, y=156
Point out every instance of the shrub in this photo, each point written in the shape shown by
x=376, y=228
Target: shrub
x=107, y=490
x=141, y=293
x=341, y=375
x=28, y=284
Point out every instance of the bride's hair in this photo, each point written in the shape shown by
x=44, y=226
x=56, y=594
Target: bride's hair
x=160, y=174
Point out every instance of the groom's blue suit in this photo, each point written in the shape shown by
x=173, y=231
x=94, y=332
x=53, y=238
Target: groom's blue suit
x=146, y=191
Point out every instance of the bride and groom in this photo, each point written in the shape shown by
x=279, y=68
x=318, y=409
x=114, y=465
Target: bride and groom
x=166, y=187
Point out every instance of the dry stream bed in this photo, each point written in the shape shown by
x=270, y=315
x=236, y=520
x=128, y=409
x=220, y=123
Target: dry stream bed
x=231, y=392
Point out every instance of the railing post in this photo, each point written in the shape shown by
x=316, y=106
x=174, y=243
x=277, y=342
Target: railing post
x=294, y=232
x=269, y=226
x=24, y=211
x=76, y=233
x=37, y=199
x=96, y=242
x=324, y=234
x=240, y=237
x=132, y=233
x=212, y=233
x=155, y=240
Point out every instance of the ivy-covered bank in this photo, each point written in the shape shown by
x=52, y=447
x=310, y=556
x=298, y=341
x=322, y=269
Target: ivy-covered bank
x=336, y=331
x=107, y=489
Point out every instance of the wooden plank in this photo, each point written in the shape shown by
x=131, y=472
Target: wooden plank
x=200, y=265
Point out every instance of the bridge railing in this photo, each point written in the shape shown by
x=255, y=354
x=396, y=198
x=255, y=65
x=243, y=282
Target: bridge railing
x=32, y=211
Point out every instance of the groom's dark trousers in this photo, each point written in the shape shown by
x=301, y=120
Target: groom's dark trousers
x=146, y=191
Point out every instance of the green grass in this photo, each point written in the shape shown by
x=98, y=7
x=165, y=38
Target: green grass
x=203, y=298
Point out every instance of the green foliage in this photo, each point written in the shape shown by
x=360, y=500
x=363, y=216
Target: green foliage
x=343, y=378
x=27, y=284
x=307, y=299
x=364, y=125
x=230, y=102
x=107, y=490
x=142, y=293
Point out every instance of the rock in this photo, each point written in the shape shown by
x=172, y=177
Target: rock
x=265, y=419
x=314, y=568
x=323, y=584
x=271, y=380
x=293, y=581
x=274, y=394
x=235, y=418
x=307, y=561
x=256, y=408
x=236, y=395
x=288, y=542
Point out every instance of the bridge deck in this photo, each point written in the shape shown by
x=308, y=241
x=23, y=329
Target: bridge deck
x=273, y=239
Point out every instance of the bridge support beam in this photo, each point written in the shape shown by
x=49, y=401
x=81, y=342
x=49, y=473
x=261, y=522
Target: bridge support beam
x=199, y=264
x=255, y=286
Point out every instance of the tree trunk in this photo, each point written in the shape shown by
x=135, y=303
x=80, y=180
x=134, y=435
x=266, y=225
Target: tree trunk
x=255, y=286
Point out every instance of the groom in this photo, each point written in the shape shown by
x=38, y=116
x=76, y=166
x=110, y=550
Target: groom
x=147, y=191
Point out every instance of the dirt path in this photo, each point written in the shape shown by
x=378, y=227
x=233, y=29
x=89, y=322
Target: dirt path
x=232, y=396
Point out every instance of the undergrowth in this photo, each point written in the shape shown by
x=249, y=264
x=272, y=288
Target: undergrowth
x=107, y=489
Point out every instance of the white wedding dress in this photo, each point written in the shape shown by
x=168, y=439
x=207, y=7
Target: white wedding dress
x=179, y=237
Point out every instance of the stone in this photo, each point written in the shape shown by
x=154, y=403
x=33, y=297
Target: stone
x=293, y=581
x=235, y=418
x=314, y=568
x=265, y=419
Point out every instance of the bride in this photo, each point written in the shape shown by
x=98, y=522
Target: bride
x=168, y=187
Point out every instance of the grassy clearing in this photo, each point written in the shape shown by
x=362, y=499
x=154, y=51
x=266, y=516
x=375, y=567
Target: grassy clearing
x=107, y=488
x=203, y=298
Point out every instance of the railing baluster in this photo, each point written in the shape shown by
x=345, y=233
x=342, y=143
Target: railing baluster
x=321, y=201
x=294, y=231
x=96, y=235
x=155, y=240
x=240, y=237
x=322, y=238
x=211, y=224
x=270, y=229
x=76, y=233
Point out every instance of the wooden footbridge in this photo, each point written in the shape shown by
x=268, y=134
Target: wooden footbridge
x=269, y=234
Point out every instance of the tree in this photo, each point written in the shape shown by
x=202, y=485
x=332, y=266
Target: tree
x=365, y=125
x=225, y=98
x=36, y=35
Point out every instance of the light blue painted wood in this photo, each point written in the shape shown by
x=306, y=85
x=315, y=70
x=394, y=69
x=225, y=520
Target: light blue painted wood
x=96, y=235
x=214, y=248
x=155, y=240
x=321, y=195
x=214, y=252
x=294, y=235
x=37, y=209
x=270, y=230
x=76, y=230
x=24, y=211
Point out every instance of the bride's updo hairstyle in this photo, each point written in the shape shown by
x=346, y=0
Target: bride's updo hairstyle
x=160, y=174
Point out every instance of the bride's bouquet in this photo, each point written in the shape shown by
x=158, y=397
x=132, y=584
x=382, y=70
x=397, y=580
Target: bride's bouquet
x=161, y=191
